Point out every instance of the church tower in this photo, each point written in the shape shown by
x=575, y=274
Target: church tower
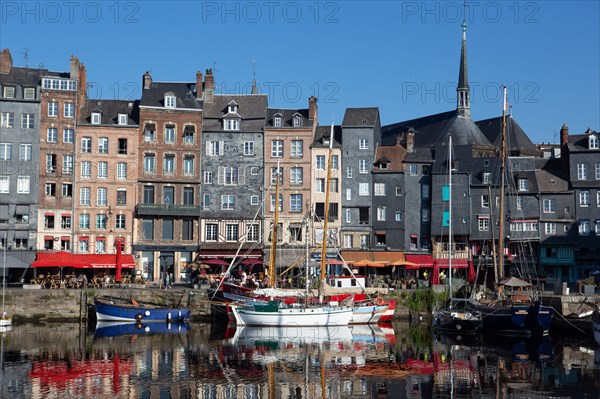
x=463, y=105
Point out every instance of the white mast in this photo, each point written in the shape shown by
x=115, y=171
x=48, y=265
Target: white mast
x=450, y=252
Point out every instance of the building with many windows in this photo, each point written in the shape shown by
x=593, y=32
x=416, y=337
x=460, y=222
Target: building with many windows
x=288, y=135
x=19, y=154
x=168, y=152
x=63, y=94
x=105, y=176
x=232, y=174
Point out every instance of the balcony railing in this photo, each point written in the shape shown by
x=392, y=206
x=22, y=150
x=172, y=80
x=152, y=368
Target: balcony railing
x=172, y=210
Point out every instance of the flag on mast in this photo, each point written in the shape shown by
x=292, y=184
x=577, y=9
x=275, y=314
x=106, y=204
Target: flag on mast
x=505, y=104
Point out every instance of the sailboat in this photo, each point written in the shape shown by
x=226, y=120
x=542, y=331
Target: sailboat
x=277, y=312
x=455, y=317
x=5, y=320
x=518, y=315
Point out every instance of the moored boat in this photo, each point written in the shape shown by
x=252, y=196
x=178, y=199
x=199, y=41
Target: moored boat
x=114, y=309
x=455, y=319
x=113, y=329
x=277, y=313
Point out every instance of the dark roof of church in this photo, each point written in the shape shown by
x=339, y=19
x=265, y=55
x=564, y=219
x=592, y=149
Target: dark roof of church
x=434, y=129
x=517, y=140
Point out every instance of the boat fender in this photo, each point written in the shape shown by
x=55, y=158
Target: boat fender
x=379, y=301
x=139, y=326
x=147, y=313
x=139, y=316
x=458, y=327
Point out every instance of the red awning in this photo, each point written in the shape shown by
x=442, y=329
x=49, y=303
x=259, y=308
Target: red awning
x=81, y=261
x=424, y=260
x=216, y=253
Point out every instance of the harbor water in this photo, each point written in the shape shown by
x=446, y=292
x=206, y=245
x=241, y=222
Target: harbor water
x=216, y=361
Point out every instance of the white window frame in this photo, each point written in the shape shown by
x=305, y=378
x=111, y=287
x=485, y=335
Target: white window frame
x=170, y=101
x=296, y=175
x=362, y=166
x=101, y=196
x=277, y=121
x=120, y=221
x=228, y=202
x=523, y=186
x=363, y=189
x=487, y=177
x=4, y=185
x=349, y=172
x=102, y=145
x=211, y=232
x=297, y=150
x=53, y=108
x=25, y=152
x=69, y=110
x=582, y=171
x=86, y=145
x=207, y=177
x=231, y=124
x=398, y=216
x=277, y=149
x=96, y=118
x=363, y=144
x=483, y=224
x=121, y=170
x=102, y=170
x=593, y=142
x=27, y=121
x=549, y=205
x=249, y=148
x=123, y=119
x=86, y=169
x=348, y=215
x=597, y=170
x=320, y=185
x=348, y=194
x=68, y=135
x=84, y=196
x=584, y=198
x=67, y=167
x=550, y=228
x=584, y=227
x=381, y=213
x=320, y=162
x=169, y=164
x=188, y=165
x=8, y=120
x=52, y=135
x=296, y=203
x=297, y=121
x=149, y=160
x=254, y=199
x=170, y=133
x=29, y=93
x=379, y=189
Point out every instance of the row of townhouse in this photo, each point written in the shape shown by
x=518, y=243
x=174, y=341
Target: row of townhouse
x=185, y=173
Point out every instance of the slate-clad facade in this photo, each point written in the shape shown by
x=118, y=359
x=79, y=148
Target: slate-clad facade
x=361, y=134
x=232, y=175
x=19, y=154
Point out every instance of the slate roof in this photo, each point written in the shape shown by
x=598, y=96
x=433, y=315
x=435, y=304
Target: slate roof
x=23, y=76
x=185, y=93
x=359, y=117
x=434, y=129
x=517, y=140
x=287, y=115
x=252, y=108
x=325, y=131
x=579, y=142
x=110, y=110
x=550, y=178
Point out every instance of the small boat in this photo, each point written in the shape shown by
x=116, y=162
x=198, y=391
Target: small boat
x=113, y=309
x=277, y=313
x=454, y=319
x=368, y=314
x=115, y=328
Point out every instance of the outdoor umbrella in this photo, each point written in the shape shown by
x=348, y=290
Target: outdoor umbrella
x=435, y=279
x=118, y=262
x=215, y=262
x=471, y=273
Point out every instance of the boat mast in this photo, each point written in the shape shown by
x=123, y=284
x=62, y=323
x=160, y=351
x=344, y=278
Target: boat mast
x=327, y=185
x=3, y=271
x=450, y=242
x=273, y=257
x=492, y=227
x=500, y=274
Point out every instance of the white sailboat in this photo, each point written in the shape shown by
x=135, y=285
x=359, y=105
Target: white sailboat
x=278, y=313
x=5, y=320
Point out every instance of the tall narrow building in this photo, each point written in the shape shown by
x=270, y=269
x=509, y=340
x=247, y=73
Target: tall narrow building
x=168, y=153
x=19, y=154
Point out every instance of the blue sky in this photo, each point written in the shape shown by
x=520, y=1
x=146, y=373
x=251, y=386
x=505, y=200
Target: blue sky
x=399, y=56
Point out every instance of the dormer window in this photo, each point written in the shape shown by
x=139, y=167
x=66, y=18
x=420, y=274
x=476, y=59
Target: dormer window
x=95, y=118
x=326, y=140
x=122, y=119
x=231, y=124
x=383, y=165
x=297, y=121
x=232, y=107
x=277, y=121
x=593, y=142
x=522, y=184
x=169, y=100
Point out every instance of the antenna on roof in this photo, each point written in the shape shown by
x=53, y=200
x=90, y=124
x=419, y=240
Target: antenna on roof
x=26, y=57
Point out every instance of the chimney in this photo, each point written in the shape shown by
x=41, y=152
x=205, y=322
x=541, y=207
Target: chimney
x=74, y=68
x=399, y=138
x=147, y=80
x=209, y=86
x=313, y=109
x=410, y=140
x=81, y=84
x=5, y=61
x=564, y=135
x=199, y=85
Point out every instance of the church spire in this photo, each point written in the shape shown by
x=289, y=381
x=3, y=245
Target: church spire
x=462, y=91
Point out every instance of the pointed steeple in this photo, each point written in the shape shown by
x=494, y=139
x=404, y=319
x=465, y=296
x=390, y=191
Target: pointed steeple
x=462, y=90
x=254, y=88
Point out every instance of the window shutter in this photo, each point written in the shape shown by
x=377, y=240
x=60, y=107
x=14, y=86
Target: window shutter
x=221, y=147
x=208, y=148
x=241, y=176
x=221, y=176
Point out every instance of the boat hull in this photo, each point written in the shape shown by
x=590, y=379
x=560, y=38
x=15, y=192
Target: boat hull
x=113, y=329
x=388, y=314
x=367, y=314
x=110, y=311
x=320, y=316
x=523, y=320
x=457, y=321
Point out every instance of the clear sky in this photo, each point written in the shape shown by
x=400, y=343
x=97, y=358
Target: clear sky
x=399, y=56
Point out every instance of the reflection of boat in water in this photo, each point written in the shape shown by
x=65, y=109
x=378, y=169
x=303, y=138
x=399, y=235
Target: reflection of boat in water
x=596, y=325
x=113, y=329
x=292, y=334
x=115, y=309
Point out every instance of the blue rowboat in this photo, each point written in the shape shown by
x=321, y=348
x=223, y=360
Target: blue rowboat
x=108, y=309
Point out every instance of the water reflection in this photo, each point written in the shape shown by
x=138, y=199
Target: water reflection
x=158, y=360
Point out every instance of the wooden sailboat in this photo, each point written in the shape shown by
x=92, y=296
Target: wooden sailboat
x=520, y=315
x=277, y=312
x=455, y=317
